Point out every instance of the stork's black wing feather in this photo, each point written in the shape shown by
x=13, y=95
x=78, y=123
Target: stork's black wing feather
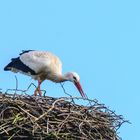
x=25, y=51
x=19, y=66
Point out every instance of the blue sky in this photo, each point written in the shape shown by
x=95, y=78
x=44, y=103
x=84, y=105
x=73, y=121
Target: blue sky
x=98, y=39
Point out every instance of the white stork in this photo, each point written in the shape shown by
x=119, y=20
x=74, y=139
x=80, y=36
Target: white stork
x=42, y=65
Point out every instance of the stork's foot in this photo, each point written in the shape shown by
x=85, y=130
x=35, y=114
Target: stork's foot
x=38, y=91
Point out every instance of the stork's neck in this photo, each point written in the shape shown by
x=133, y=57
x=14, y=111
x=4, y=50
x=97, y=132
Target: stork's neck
x=59, y=78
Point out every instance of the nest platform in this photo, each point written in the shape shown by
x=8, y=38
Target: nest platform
x=48, y=118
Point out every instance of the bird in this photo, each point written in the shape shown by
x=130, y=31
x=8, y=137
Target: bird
x=41, y=66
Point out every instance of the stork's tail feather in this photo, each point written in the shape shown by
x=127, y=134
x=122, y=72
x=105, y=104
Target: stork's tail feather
x=6, y=68
x=16, y=65
x=11, y=65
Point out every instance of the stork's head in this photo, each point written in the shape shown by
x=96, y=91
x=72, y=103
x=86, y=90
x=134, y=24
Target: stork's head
x=75, y=78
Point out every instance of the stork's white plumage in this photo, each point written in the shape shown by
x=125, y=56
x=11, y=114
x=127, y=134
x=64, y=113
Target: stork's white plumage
x=42, y=65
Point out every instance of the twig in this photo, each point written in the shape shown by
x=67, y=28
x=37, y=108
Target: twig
x=62, y=85
x=49, y=109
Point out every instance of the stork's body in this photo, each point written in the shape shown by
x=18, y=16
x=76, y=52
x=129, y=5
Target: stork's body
x=42, y=65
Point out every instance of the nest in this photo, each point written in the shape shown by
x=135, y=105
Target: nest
x=30, y=117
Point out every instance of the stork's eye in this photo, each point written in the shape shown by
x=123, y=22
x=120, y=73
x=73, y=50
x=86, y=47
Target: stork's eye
x=74, y=78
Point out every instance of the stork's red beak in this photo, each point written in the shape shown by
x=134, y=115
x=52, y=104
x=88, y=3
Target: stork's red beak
x=79, y=87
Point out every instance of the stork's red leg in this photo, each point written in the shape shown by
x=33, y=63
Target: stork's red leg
x=38, y=89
